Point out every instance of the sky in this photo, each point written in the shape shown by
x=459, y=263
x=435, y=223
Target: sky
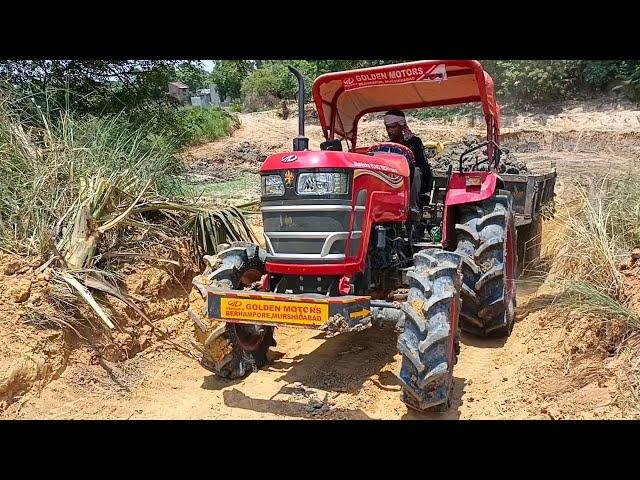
x=208, y=65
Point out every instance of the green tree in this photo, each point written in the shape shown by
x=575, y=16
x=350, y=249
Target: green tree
x=93, y=86
x=193, y=75
x=228, y=76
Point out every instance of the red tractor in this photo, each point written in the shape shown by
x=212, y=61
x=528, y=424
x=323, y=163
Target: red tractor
x=342, y=252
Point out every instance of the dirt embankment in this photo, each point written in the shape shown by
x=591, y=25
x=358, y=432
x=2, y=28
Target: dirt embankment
x=46, y=331
x=554, y=365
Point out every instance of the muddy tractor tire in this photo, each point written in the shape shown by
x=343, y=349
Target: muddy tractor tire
x=486, y=237
x=429, y=334
x=230, y=350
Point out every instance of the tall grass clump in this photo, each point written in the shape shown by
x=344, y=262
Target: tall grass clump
x=75, y=188
x=597, y=240
x=43, y=166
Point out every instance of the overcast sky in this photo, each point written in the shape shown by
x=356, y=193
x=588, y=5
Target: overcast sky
x=208, y=65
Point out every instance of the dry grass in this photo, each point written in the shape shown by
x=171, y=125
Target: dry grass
x=591, y=250
x=74, y=190
x=595, y=241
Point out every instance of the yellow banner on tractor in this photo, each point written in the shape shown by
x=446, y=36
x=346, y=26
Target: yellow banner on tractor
x=268, y=308
x=272, y=311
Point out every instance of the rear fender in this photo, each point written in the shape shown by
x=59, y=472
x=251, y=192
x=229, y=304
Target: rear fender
x=459, y=193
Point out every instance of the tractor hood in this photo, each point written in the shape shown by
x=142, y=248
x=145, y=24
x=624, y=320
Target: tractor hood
x=389, y=163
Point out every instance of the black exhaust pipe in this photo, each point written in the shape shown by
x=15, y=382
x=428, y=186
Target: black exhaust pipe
x=302, y=142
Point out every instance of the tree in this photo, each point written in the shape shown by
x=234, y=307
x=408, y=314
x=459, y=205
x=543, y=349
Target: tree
x=228, y=75
x=193, y=75
x=93, y=86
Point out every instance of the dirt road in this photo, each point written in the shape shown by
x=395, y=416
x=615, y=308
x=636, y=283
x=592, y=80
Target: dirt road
x=533, y=374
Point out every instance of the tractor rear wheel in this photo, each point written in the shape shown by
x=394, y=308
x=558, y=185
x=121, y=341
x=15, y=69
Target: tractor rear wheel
x=486, y=238
x=429, y=338
x=231, y=350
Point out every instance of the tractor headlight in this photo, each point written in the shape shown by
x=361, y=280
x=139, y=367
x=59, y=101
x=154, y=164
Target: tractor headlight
x=323, y=183
x=272, y=185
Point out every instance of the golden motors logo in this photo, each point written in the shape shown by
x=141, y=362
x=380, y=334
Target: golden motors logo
x=288, y=179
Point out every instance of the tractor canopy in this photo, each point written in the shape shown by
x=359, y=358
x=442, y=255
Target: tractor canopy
x=341, y=98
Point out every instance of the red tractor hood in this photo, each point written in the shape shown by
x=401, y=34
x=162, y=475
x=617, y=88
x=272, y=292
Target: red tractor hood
x=388, y=163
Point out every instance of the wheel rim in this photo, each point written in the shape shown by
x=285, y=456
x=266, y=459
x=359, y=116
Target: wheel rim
x=249, y=337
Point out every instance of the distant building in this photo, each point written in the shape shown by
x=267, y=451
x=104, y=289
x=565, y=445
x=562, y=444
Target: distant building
x=216, y=101
x=205, y=97
x=215, y=96
x=180, y=91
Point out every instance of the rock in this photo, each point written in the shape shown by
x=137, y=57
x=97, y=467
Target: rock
x=144, y=341
x=470, y=140
x=21, y=291
x=453, y=151
x=12, y=267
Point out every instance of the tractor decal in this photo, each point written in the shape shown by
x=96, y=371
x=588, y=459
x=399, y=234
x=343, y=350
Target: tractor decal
x=435, y=73
x=394, y=181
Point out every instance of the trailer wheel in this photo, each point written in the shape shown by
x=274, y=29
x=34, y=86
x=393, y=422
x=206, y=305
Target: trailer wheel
x=231, y=350
x=486, y=237
x=429, y=338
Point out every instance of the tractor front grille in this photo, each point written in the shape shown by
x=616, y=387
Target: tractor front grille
x=307, y=231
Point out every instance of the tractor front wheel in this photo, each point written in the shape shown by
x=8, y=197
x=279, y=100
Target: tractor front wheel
x=231, y=350
x=429, y=338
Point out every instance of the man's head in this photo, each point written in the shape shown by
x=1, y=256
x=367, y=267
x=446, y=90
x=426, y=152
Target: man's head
x=394, y=121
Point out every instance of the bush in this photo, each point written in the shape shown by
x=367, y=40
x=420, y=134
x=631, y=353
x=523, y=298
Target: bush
x=236, y=106
x=183, y=126
x=202, y=124
x=446, y=112
x=529, y=81
x=263, y=82
x=600, y=74
x=256, y=103
x=632, y=79
x=273, y=79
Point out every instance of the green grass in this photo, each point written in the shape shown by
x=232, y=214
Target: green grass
x=246, y=187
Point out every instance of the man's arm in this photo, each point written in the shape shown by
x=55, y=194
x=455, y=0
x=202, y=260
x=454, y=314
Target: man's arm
x=421, y=160
x=418, y=152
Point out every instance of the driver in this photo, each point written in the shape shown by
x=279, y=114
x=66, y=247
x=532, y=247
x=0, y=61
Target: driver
x=399, y=132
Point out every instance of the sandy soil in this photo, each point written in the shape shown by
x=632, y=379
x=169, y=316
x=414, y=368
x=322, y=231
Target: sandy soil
x=541, y=371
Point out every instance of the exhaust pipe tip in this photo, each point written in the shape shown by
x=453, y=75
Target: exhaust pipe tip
x=302, y=142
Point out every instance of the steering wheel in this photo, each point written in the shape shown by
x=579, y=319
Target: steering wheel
x=390, y=147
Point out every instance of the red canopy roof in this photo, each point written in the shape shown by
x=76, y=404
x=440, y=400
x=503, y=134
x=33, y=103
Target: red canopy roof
x=343, y=97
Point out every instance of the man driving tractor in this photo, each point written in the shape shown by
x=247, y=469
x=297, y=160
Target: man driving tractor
x=396, y=124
